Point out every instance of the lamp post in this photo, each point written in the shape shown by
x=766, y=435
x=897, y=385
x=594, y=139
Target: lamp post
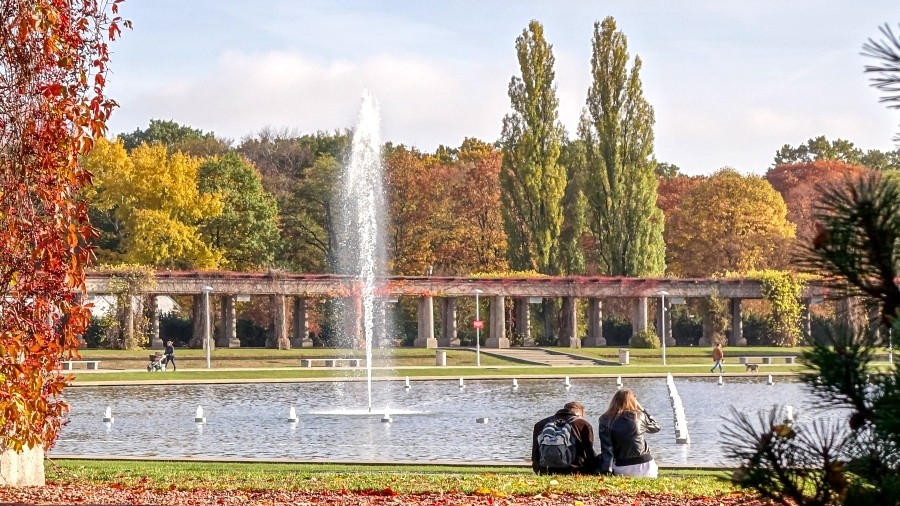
x=206, y=290
x=478, y=323
x=662, y=294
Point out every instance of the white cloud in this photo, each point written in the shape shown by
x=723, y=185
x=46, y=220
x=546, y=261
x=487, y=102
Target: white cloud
x=767, y=123
x=423, y=103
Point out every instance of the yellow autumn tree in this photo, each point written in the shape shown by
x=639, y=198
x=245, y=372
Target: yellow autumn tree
x=728, y=222
x=148, y=207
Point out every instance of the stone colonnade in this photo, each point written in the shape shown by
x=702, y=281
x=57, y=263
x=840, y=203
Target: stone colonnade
x=294, y=333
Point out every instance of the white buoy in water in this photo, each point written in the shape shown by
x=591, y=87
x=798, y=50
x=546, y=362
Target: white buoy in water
x=483, y=419
x=788, y=414
x=292, y=415
x=107, y=417
x=198, y=417
x=462, y=384
x=769, y=381
x=567, y=382
x=386, y=418
x=515, y=383
x=619, y=382
x=721, y=380
x=407, y=383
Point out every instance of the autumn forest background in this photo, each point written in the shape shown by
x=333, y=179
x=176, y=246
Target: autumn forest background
x=537, y=201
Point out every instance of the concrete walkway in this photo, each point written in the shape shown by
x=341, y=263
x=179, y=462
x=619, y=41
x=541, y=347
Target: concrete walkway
x=540, y=356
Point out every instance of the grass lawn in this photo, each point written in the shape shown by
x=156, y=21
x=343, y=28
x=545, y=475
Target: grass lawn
x=255, y=364
x=432, y=372
x=402, y=479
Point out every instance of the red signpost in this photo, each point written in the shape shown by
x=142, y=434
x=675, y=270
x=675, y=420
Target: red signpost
x=478, y=324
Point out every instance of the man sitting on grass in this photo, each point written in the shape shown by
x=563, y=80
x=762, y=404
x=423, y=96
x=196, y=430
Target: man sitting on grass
x=564, y=443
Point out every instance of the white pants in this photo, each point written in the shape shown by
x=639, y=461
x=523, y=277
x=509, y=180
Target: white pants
x=646, y=470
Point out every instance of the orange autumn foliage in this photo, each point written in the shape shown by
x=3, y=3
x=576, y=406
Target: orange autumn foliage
x=800, y=186
x=53, y=68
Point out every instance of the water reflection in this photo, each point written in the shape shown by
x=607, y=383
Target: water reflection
x=433, y=420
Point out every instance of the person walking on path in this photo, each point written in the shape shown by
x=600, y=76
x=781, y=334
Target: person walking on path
x=170, y=356
x=621, y=429
x=718, y=355
x=564, y=443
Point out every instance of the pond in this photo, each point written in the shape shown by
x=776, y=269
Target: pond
x=433, y=420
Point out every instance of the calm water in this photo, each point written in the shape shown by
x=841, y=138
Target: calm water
x=433, y=420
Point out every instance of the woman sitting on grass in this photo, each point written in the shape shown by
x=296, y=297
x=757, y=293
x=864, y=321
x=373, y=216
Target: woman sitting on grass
x=623, y=450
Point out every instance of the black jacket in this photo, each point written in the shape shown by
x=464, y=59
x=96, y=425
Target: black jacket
x=170, y=350
x=585, y=456
x=622, y=439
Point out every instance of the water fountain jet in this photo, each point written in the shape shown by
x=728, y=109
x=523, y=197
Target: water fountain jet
x=362, y=251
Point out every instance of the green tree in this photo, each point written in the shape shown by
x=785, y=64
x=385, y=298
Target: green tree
x=247, y=230
x=532, y=178
x=820, y=148
x=302, y=173
x=620, y=172
x=309, y=236
x=177, y=138
x=570, y=254
x=666, y=170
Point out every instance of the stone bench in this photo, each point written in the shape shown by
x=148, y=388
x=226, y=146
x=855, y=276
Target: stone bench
x=331, y=362
x=789, y=359
x=68, y=365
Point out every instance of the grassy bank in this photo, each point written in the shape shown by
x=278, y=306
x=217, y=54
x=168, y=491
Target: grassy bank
x=402, y=479
x=254, y=364
x=430, y=372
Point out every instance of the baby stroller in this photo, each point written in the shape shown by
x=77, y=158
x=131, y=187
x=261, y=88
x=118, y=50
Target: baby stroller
x=157, y=363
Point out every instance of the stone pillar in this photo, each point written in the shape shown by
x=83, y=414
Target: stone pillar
x=706, y=338
x=228, y=336
x=300, y=336
x=875, y=322
x=129, y=319
x=594, y=324
x=22, y=469
x=279, y=338
x=737, y=325
x=639, y=315
x=425, y=319
x=664, y=313
x=806, y=319
x=848, y=310
x=568, y=332
x=156, y=342
x=448, y=323
x=498, y=337
x=522, y=326
x=198, y=323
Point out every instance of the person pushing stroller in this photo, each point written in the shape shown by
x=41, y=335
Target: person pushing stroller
x=157, y=362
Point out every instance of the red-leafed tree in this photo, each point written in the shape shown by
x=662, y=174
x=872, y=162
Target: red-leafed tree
x=53, y=67
x=801, y=185
x=473, y=237
x=669, y=196
x=413, y=200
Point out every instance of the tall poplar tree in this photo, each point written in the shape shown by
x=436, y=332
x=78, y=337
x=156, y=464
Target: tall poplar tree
x=620, y=180
x=532, y=179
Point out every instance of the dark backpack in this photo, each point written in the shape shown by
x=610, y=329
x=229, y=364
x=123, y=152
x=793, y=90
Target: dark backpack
x=556, y=445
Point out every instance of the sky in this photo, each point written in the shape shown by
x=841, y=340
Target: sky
x=730, y=82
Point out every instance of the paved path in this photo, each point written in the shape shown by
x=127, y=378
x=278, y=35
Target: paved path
x=540, y=356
